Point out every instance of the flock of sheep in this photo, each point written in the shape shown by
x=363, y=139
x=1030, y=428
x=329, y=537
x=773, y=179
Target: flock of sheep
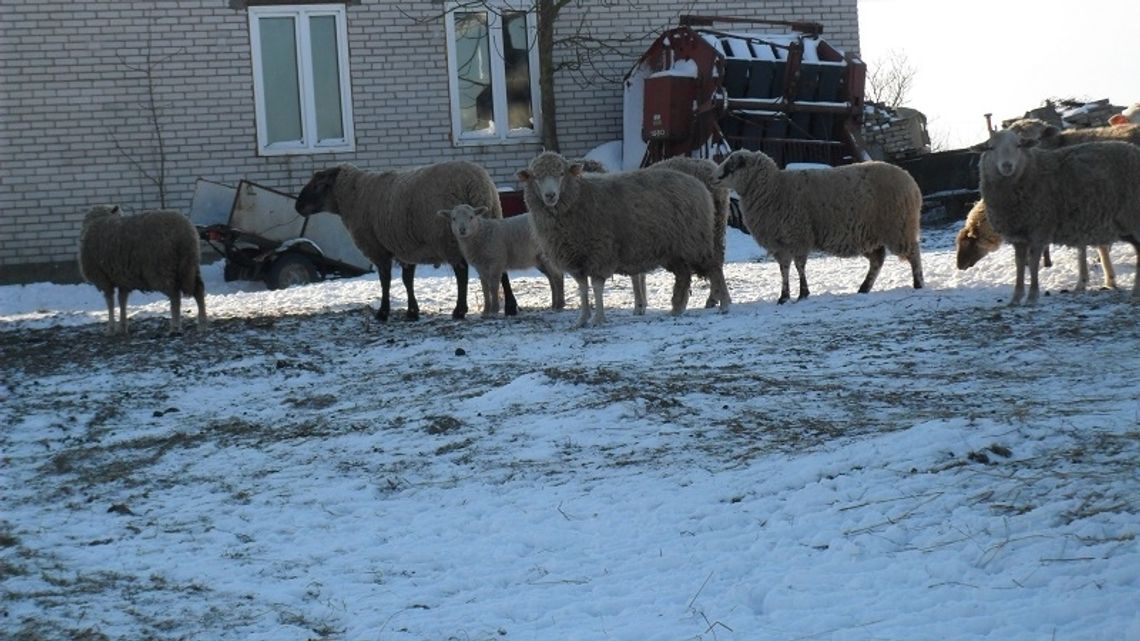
x=1039, y=186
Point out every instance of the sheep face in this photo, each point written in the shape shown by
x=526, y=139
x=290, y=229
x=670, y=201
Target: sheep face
x=464, y=219
x=739, y=161
x=546, y=174
x=970, y=250
x=1036, y=130
x=1006, y=153
x=317, y=195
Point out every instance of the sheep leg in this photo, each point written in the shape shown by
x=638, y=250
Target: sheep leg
x=123, y=293
x=384, y=269
x=1106, y=264
x=408, y=275
x=200, y=299
x=557, y=285
x=801, y=269
x=1082, y=268
x=490, y=287
x=510, y=305
x=682, y=283
x=109, y=296
x=175, y=312
x=1020, y=251
x=1048, y=259
x=640, y=294
x=785, y=289
x=875, y=257
x=915, y=260
x=718, y=284
x=461, y=275
x=583, y=301
x=1135, y=242
x=599, y=291
x=1035, y=251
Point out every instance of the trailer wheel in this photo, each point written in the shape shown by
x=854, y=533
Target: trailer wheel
x=289, y=270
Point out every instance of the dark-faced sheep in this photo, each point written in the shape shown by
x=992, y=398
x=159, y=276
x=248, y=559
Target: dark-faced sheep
x=153, y=251
x=595, y=225
x=1083, y=194
x=494, y=245
x=866, y=209
x=392, y=215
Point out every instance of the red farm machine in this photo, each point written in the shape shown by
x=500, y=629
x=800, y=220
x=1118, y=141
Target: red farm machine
x=712, y=85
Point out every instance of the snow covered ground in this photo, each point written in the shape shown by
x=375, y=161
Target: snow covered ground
x=895, y=466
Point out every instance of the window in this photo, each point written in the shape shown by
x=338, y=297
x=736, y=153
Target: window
x=300, y=79
x=493, y=71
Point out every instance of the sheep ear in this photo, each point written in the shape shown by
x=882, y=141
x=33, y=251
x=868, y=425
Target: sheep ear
x=575, y=169
x=523, y=175
x=444, y=213
x=481, y=211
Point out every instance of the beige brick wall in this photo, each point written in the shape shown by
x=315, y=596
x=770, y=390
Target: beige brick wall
x=67, y=100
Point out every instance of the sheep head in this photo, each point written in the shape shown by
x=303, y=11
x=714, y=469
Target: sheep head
x=739, y=161
x=464, y=219
x=969, y=249
x=318, y=194
x=1037, y=131
x=546, y=176
x=1006, y=153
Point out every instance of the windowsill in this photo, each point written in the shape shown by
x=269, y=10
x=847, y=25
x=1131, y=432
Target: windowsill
x=306, y=151
x=494, y=141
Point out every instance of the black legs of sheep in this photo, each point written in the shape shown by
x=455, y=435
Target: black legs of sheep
x=408, y=276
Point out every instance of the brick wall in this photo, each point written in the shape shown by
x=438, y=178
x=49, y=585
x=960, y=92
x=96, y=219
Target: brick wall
x=74, y=128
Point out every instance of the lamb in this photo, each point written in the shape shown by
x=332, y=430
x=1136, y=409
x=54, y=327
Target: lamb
x=494, y=245
x=863, y=209
x=153, y=251
x=978, y=238
x=593, y=226
x=1083, y=194
x=392, y=215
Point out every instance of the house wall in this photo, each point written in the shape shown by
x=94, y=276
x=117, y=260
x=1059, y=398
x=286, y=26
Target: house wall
x=75, y=129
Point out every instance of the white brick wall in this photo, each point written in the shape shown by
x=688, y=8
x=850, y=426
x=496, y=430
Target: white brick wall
x=66, y=97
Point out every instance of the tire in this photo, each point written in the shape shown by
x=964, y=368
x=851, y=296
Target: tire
x=289, y=270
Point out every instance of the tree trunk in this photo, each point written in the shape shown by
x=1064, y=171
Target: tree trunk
x=547, y=16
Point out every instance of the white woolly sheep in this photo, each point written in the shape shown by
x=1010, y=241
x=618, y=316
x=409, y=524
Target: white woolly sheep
x=392, y=215
x=1050, y=137
x=494, y=245
x=153, y=251
x=864, y=209
x=1078, y=195
x=977, y=238
x=595, y=225
x=703, y=170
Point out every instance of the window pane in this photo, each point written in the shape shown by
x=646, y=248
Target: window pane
x=473, y=62
x=516, y=52
x=279, y=75
x=326, y=77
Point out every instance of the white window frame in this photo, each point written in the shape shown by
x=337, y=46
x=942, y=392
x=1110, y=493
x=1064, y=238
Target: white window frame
x=309, y=144
x=501, y=135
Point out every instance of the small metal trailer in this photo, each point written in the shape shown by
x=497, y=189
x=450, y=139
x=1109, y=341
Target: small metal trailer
x=261, y=237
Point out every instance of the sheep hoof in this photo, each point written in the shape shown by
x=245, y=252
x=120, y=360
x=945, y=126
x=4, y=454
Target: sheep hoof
x=459, y=313
x=710, y=303
x=382, y=315
x=783, y=299
x=511, y=309
x=412, y=315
